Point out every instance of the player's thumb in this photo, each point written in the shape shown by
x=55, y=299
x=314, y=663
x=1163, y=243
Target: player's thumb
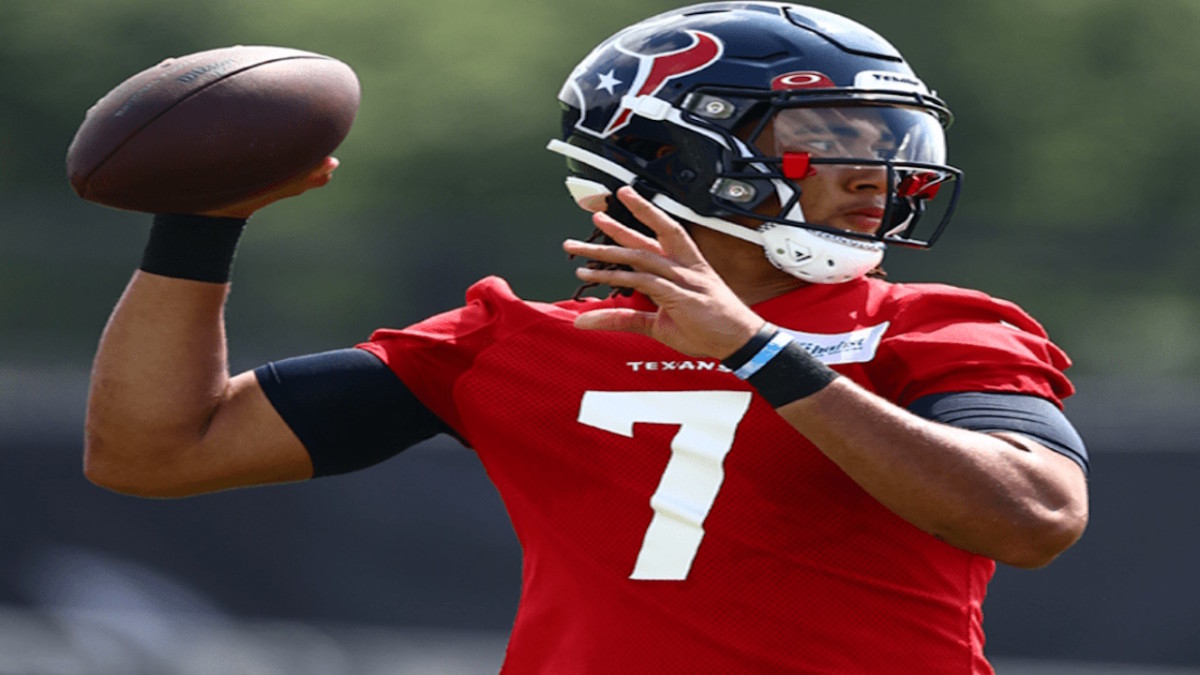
x=323, y=172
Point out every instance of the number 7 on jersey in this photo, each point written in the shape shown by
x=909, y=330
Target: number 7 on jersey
x=707, y=423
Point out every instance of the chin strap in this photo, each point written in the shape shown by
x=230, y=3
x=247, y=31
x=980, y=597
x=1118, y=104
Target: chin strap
x=811, y=255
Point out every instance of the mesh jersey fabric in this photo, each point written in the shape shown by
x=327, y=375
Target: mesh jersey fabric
x=608, y=448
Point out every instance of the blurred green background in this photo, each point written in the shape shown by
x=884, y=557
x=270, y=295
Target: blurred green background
x=1075, y=129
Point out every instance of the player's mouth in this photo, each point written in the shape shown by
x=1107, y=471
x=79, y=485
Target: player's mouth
x=866, y=219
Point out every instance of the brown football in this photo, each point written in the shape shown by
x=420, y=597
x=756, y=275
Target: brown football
x=205, y=130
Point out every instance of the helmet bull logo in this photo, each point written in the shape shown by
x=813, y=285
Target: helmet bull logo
x=607, y=83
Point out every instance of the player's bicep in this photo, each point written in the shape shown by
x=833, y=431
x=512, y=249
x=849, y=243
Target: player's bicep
x=248, y=443
x=346, y=408
x=243, y=443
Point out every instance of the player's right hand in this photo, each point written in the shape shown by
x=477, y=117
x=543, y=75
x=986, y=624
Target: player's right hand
x=697, y=313
x=316, y=177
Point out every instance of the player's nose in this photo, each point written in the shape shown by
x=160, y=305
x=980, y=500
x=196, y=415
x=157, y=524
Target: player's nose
x=864, y=178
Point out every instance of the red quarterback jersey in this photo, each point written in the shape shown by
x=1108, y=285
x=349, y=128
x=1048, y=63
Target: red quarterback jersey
x=672, y=522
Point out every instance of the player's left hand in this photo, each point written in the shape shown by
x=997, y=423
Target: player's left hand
x=698, y=314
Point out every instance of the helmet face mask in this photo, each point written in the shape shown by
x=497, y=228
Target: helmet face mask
x=794, y=145
x=737, y=116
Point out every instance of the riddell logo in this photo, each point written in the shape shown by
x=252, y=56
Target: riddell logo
x=800, y=254
x=807, y=79
x=895, y=79
x=882, y=79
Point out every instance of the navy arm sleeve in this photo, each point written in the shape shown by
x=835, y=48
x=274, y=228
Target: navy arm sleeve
x=347, y=407
x=1032, y=416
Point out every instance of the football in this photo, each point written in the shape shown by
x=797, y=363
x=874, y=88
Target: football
x=204, y=130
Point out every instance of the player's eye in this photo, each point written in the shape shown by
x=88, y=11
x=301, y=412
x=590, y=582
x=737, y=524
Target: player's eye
x=821, y=146
x=884, y=150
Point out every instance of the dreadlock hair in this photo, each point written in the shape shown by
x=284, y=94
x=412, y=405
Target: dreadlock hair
x=614, y=208
x=599, y=237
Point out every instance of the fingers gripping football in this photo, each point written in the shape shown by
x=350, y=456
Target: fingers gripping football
x=697, y=312
x=302, y=182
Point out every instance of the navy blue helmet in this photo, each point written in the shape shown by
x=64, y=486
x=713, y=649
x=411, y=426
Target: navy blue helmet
x=720, y=111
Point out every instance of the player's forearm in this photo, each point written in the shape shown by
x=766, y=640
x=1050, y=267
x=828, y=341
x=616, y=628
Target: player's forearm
x=159, y=375
x=973, y=490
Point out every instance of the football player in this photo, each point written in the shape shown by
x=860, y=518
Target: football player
x=754, y=455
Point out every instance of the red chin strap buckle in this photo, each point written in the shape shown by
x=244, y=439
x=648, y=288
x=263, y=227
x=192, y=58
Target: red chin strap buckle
x=796, y=165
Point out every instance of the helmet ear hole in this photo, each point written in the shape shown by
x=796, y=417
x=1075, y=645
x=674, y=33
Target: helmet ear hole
x=645, y=149
x=618, y=212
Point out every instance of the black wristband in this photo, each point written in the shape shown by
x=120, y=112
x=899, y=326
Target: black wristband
x=754, y=346
x=200, y=248
x=778, y=367
x=791, y=375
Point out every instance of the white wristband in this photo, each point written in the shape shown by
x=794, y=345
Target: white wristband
x=769, y=351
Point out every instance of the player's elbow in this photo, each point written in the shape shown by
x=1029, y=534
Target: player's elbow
x=125, y=464
x=106, y=476
x=106, y=469
x=1042, y=538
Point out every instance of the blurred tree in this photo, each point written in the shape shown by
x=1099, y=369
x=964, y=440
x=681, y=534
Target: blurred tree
x=1073, y=128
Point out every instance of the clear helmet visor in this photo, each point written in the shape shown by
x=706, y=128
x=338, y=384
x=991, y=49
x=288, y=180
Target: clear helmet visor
x=868, y=171
x=856, y=132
